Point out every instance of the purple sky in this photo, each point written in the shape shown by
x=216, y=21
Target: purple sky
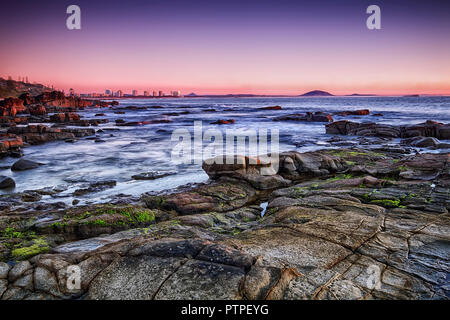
x=273, y=47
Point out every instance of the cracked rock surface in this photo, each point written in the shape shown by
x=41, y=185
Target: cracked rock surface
x=339, y=224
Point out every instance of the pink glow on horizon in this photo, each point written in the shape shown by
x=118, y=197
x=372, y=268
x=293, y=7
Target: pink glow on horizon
x=212, y=56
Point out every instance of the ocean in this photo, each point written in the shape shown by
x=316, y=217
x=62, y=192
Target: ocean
x=127, y=151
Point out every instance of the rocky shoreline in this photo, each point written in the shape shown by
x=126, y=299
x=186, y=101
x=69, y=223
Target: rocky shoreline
x=334, y=219
x=346, y=223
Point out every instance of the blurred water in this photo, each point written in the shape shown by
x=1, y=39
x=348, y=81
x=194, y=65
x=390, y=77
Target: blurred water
x=133, y=150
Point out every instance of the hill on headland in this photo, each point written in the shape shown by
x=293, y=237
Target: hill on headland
x=12, y=88
x=316, y=93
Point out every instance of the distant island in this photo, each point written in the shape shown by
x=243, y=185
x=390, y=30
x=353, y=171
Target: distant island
x=361, y=95
x=317, y=93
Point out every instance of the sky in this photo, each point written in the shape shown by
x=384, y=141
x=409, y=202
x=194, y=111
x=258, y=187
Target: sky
x=219, y=47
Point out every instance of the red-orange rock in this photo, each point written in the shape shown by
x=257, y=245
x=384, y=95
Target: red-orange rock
x=65, y=117
x=37, y=110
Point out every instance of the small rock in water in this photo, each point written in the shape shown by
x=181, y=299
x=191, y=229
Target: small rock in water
x=31, y=197
x=24, y=164
x=152, y=175
x=7, y=182
x=96, y=187
x=229, y=121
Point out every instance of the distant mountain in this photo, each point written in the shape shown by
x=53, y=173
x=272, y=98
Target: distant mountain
x=191, y=95
x=316, y=93
x=12, y=88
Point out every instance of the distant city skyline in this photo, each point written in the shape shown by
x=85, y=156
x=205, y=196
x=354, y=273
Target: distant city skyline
x=283, y=47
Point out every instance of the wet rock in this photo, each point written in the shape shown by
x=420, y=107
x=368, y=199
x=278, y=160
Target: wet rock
x=309, y=116
x=219, y=197
x=152, y=175
x=271, y=108
x=362, y=112
x=24, y=164
x=425, y=142
x=96, y=187
x=31, y=196
x=426, y=129
x=229, y=121
x=7, y=182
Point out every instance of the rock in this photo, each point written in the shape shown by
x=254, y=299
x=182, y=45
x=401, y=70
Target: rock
x=204, y=198
x=24, y=164
x=58, y=99
x=230, y=121
x=4, y=269
x=3, y=286
x=363, y=112
x=426, y=129
x=349, y=224
x=65, y=117
x=25, y=282
x=7, y=182
x=18, y=270
x=152, y=175
x=9, y=143
x=27, y=98
x=271, y=108
x=31, y=196
x=309, y=116
x=37, y=110
x=422, y=142
x=11, y=106
x=95, y=187
x=45, y=281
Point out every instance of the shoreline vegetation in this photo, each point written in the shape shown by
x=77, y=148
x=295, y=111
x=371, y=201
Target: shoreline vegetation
x=344, y=223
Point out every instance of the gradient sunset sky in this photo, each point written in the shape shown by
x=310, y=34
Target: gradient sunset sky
x=216, y=47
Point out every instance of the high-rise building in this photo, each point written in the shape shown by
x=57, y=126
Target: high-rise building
x=119, y=93
x=146, y=94
x=135, y=93
x=160, y=93
x=176, y=93
x=108, y=92
x=71, y=92
x=155, y=93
